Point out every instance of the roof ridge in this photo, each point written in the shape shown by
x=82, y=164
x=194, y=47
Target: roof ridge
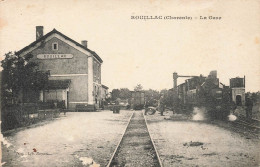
x=61, y=34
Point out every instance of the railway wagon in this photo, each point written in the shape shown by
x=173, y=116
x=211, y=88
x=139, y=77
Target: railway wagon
x=137, y=100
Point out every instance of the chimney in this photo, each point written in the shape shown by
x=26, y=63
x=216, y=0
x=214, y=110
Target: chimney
x=175, y=77
x=39, y=32
x=84, y=43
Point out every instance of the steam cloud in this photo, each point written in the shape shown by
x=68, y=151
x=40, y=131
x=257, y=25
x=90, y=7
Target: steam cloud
x=199, y=113
x=232, y=117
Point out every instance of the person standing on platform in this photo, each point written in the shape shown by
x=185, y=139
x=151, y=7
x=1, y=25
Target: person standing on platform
x=102, y=104
x=132, y=103
x=249, y=107
x=117, y=106
x=161, y=105
x=145, y=106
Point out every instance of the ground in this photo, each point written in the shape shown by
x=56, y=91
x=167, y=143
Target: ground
x=79, y=139
x=90, y=138
x=197, y=142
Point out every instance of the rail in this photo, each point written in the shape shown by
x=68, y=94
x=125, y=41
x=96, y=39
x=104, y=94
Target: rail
x=136, y=145
x=157, y=154
x=110, y=161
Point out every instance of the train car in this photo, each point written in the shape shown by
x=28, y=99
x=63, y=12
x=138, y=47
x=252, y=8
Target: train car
x=137, y=100
x=207, y=92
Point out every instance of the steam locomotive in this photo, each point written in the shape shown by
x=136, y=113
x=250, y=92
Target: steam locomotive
x=208, y=92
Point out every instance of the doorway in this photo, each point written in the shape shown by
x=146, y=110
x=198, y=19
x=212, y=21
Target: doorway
x=239, y=100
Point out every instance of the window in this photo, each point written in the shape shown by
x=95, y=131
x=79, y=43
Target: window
x=55, y=46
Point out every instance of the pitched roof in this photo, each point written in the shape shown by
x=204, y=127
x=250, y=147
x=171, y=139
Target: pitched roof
x=64, y=36
x=58, y=84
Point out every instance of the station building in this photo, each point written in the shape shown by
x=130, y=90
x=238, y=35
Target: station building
x=75, y=70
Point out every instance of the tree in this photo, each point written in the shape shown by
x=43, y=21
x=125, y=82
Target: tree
x=115, y=94
x=124, y=93
x=138, y=87
x=152, y=97
x=21, y=75
x=168, y=97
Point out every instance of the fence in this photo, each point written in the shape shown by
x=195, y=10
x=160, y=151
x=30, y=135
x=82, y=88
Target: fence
x=14, y=116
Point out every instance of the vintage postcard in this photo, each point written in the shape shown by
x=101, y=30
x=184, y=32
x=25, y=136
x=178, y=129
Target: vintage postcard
x=130, y=83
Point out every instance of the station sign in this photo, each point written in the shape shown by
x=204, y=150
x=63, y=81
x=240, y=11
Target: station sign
x=54, y=56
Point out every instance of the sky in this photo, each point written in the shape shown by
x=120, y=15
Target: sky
x=147, y=52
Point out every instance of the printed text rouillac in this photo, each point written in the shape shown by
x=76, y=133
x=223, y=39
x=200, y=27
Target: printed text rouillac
x=160, y=17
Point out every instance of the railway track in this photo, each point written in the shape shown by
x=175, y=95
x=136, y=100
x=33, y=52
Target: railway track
x=248, y=123
x=251, y=126
x=136, y=147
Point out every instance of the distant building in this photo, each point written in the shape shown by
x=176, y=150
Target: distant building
x=75, y=70
x=104, y=92
x=237, y=86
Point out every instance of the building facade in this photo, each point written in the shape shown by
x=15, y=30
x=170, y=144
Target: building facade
x=75, y=70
